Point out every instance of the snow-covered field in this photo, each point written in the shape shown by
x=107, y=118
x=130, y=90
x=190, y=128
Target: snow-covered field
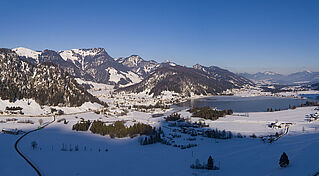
x=237, y=156
x=101, y=155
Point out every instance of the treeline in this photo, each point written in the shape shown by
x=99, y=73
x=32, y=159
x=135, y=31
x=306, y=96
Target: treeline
x=118, y=129
x=81, y=126
x=273, y=110
x=209, y=113
x=218, y=134
x=210, y=165
x=310, y=103
x=157, y=105
x=153, y=138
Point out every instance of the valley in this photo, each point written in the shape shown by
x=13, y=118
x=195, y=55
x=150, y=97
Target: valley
x=143, y=111
x=58, y=145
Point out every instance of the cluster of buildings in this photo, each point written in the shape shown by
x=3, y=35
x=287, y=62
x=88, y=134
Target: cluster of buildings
x=12, y=110
x=278, y=125
x=11, y=131
x=312, y=117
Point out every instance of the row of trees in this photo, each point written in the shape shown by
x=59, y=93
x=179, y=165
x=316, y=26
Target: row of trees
x=209, y=113
x=82, y=125
x=118, y=129
x=272, y=110
x=308, y=103
x=218, y=134
x=157, y=105
x=153, y=138
x=209, y=165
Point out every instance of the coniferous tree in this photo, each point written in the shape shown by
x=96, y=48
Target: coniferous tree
x=210, y=163
x=284, y=161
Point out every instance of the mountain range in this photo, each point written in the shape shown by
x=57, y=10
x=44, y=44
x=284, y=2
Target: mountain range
x=134, y=74
x=269, y=77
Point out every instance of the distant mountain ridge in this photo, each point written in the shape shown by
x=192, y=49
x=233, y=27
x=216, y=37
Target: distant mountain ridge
x=291, y=79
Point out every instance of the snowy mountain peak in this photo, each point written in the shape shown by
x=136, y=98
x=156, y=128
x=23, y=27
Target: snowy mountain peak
x=131, y=61
x=28, y=53
x=79, y=54
x=270, y=73
x=198, y=66
x=168, y=63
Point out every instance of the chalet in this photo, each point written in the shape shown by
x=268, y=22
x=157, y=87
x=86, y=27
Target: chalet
x=279, y=124
x=275, y=125
x=13, y=110
x=11, y=131
x=312, y=117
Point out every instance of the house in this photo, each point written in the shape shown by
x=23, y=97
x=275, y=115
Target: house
x=13, y=110
x=279, y=124
x=312, y=117
x=275, y=125
x=11, y=131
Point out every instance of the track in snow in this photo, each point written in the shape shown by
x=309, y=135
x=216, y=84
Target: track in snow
x=21, y=154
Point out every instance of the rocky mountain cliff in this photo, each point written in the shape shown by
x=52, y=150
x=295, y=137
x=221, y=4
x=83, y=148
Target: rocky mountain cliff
x=46, y=82
x=138, y=65
x=88, y=64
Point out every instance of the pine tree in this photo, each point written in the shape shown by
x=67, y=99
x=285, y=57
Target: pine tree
x=34, y=144
x=284, y=161
x=210, y=163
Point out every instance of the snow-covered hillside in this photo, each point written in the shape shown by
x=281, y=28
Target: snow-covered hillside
x=21, y=51
x=95, y=154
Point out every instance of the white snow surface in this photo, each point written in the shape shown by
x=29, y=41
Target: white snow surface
x=27, y=52
x=246, y=156
x=32, y=108
x=236, y=156
x=115, y=75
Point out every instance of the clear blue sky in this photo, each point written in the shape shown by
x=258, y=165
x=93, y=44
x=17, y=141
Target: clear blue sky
x=240, y=35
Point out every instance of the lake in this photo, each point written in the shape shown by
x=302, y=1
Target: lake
x=245, y=104
x=311, y=96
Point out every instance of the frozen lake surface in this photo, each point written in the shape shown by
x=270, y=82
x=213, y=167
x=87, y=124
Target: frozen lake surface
x=245, y=104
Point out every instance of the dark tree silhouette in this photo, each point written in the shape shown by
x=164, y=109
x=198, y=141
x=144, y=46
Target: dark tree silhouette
x=284, y=161
x=34, y=144
x=210, y=163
